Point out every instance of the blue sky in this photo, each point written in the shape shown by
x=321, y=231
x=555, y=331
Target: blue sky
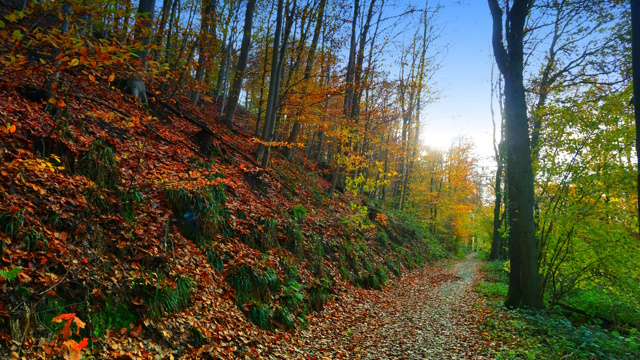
x=464, y=80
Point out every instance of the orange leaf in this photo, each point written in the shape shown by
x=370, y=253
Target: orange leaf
x=63, y=317
x=81, y=345
x=60, y=103
x=111, y=78
x=92, y=78
x=79, y=324
x=12, y=129
x=137, y=331
x=66, y=330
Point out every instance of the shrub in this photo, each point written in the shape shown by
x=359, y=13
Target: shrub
x=393, y=267
x=319, y=294
x=12, y=223
x=165, y=298
x=199, y=212
x=284, y=317
x=383, y=238
x=114, y=315
x=214, y=259
x=99, y=163
x=381, y=274
x=295, y=239
x=299, y=213
x=260, y=314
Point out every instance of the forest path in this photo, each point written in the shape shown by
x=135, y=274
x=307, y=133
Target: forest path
x=427, y=314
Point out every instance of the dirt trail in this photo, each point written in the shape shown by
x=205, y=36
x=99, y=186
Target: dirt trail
x=428, y=314
x=429, y=317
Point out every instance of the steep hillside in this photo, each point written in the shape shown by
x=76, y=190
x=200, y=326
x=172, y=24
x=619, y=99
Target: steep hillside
x=157, y=229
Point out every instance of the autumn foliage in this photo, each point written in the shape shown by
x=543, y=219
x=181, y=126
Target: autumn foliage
x=125, y=223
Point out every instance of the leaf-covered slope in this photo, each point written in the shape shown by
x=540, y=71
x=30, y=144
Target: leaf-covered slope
x=160, y=237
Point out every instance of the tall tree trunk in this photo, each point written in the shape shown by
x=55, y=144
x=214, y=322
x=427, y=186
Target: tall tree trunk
x=524, y=281
x=496, y=243
x=144, y=19
x=273, y=90
x=167, y=58
x=207, y=14
x=498, y=149
x=164, y=15
x=234, y=93
x=271, y=115
x=349, y=82
x=293, y=136
x=635, y=53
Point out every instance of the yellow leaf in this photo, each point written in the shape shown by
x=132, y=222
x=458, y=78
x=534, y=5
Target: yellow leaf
x=74, y=62
x=52, y=100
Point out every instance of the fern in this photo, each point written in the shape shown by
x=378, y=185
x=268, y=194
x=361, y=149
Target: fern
x=9, y=275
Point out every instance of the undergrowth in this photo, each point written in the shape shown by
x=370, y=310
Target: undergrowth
x=547, y=334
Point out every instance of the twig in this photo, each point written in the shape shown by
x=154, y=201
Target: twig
x=41, y=292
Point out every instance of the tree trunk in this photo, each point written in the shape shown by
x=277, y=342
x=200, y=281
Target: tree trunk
x=279, y=59
x=293, y=136
x=207, y=14
x=635, y=52
x=496, y=244
x=273, y=90
x=234, y=93
x=524, y=282
x=146, y=9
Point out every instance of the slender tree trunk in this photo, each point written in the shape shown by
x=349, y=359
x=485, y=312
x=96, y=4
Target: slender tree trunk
x=293, y=137
x=273, y=90
x=234, y=93
x=164, y=15
x=146, y=9
x=279, y=59
x=207, y=15
x=349, y=93
x=496, y=244
x=167, y=58
x=635, y=52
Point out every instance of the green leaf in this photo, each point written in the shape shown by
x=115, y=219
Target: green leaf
x=1, y=24
x=17, y=35
x=9, y=275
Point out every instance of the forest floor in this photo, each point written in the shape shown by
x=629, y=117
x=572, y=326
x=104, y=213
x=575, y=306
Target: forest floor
x=430, y=313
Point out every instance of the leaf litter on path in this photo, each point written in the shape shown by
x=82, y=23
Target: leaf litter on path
x=427, y=314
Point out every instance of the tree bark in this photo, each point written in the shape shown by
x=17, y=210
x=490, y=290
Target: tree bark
x=144, y=20
x=270, y=121
x=524, y=282
x=234, y=93
x=635, y=53
x=207, y=14
x=273, y=90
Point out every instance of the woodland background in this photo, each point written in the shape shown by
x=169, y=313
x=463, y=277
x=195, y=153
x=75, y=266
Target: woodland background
x=206, y=176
